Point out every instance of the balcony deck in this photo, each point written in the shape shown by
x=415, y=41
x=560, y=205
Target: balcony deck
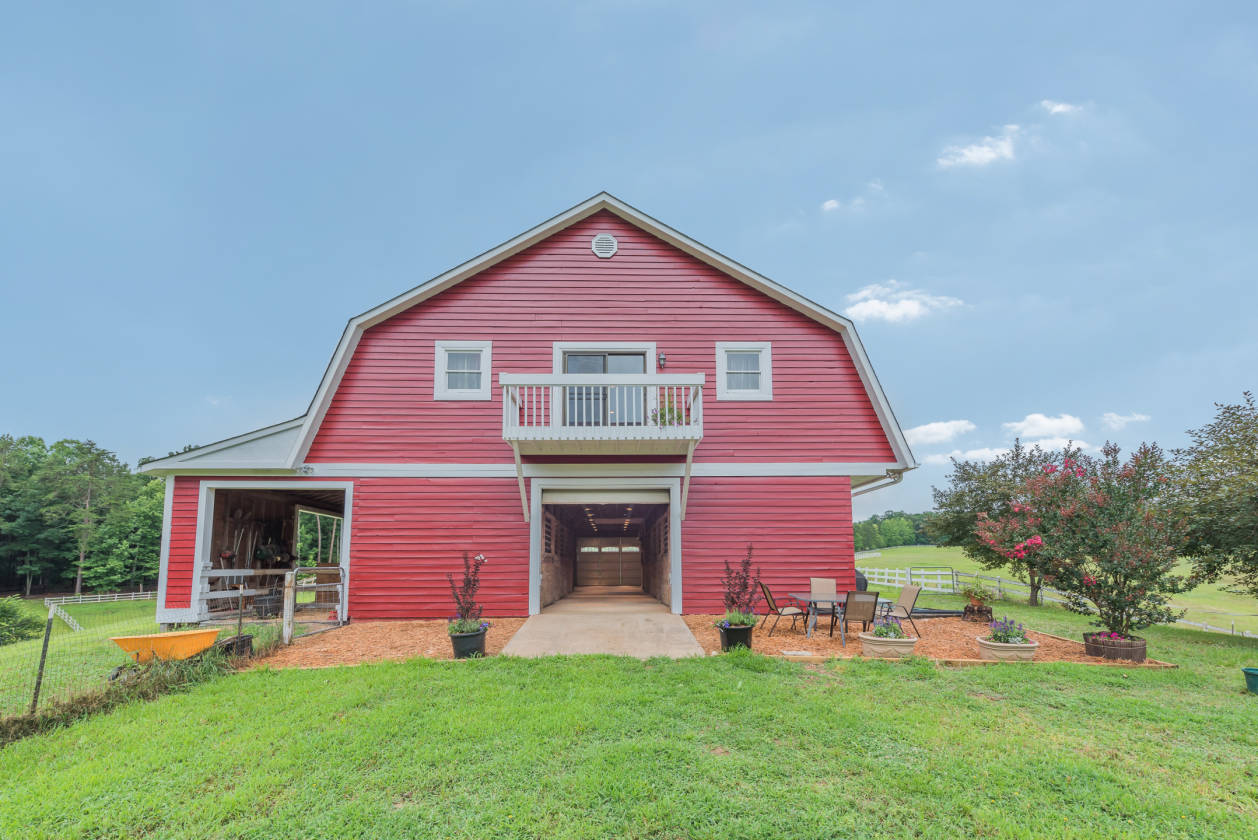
x=602, y=414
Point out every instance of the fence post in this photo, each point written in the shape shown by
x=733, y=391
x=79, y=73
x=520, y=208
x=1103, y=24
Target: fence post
x=43, y=658
x=290, y=598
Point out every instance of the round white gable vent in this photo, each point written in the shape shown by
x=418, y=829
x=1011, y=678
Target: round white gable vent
x=604, y=246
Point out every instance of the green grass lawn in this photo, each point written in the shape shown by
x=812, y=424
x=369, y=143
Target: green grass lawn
x=1208, y=603
x=720, y=747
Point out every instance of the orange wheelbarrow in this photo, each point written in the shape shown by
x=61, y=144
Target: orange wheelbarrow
x=179, y=644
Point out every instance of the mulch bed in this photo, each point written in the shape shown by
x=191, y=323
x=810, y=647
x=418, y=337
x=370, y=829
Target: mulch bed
x=381, y=641
x=942, y=638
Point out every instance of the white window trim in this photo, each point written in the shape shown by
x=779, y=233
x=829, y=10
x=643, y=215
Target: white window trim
x=765, y=391
x=439, y=389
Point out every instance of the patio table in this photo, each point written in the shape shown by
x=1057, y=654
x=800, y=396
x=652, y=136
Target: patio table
x=837, y=599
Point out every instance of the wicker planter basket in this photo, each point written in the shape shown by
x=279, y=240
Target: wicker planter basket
x=1128, y=650
x=1002, y=652
x=884, y=648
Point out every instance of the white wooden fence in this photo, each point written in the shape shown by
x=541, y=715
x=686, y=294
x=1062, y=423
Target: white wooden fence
x=950, y=581
x=97, y=598
x=55, y=603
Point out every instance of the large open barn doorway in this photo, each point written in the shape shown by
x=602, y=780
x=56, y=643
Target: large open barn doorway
x=606, y=545
x=252, y=533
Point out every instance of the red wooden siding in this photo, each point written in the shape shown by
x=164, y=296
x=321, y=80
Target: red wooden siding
x=409, y=532
x=183, y=539
x=800, y=527
x=406, y=534
x=558, y=290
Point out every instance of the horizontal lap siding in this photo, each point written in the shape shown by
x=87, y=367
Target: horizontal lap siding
x=183, y=540
x=558, y=290
x=408, y=533
x=800, y=527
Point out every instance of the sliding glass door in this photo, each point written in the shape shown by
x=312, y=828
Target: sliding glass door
x=598, y=405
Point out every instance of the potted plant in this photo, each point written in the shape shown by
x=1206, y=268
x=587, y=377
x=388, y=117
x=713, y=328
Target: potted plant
x=1007, y=642
x=467, y=631
x=742, y=588
x=887, y=640
x=977, y=594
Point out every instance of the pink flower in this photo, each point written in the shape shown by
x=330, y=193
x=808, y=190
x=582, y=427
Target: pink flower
x=1050, y=468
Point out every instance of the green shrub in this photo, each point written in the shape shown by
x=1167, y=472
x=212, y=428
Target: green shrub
x=16, y=624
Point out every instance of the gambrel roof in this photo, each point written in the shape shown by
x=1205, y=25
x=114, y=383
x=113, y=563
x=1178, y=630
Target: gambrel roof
x=284, y=446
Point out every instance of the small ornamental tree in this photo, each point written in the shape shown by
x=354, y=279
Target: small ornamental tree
x=742, y=590
x=1106, y=536
x=469, y=612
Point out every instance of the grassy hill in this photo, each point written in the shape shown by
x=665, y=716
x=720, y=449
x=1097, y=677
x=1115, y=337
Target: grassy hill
x=719, y=747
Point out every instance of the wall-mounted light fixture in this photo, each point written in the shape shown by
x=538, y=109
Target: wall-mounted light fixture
x=663, y=358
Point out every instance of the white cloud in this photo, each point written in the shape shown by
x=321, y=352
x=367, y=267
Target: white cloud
x=940, y=431
x=1042, y=426
x=894, y=302
x=985, y=151
x=857, y=203
x=1057, y=108
x=983, y=454
x=1118, y=422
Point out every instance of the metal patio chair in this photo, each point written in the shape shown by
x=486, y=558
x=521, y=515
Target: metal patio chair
x=859, y=606
x=779, y=613
x=903, y=606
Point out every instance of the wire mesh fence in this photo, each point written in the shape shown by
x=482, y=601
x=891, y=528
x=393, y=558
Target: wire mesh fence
x=72, y=656
x=75, y=653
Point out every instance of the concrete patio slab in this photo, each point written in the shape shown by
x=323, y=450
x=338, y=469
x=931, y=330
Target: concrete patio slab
x=622, y=621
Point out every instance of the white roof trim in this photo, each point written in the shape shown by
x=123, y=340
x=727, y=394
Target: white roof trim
x=262, y=449
x=603, y=201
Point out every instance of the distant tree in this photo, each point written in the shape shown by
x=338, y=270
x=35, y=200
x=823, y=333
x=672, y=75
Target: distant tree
x=29, y=546
x=82, y=482
x=989, y=489
x=127, y=547
x=1217, y=487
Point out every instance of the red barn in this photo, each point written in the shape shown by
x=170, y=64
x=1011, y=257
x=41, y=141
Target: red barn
x=600, y=400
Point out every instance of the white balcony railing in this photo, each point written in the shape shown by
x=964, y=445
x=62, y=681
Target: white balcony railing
x=602, y=413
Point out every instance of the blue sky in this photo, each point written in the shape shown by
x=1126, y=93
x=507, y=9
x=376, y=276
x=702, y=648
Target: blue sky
x=1042, y=219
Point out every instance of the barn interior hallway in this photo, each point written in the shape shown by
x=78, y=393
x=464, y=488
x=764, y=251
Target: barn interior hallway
x=605, y=548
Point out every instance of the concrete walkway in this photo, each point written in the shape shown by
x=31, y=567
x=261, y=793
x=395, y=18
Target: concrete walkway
x=619, y=620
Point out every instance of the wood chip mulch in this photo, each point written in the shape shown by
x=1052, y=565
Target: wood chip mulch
x=380, y=641
x=941, y=638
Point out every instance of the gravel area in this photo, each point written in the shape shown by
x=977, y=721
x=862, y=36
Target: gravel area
x=379, y=641
x=942, y=638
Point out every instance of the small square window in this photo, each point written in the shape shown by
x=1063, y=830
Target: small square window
x=744, y=371
x=461, y=370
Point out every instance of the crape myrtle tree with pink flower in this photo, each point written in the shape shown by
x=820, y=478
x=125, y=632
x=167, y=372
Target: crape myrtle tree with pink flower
x=992, y=491
x=1100, y=529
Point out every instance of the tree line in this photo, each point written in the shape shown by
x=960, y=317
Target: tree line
x=895, y=527
x=73, y=516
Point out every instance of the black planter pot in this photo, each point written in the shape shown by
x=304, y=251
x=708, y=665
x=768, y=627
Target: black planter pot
x=732, y=637
x=467, y=645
